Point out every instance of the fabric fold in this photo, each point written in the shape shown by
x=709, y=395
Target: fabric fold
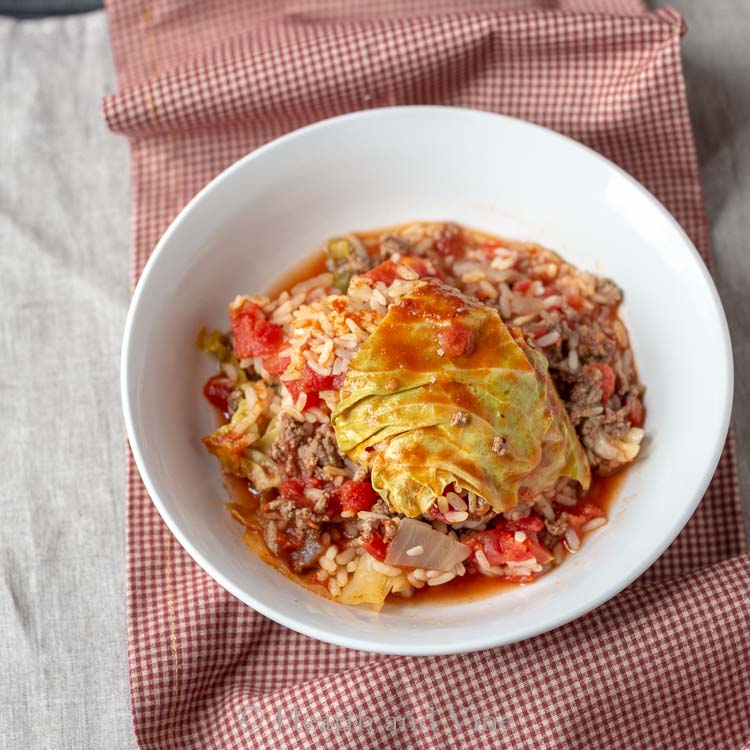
x=150, y=38
x=292, y=79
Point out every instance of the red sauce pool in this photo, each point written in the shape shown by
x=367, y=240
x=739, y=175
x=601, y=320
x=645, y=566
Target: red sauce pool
x=313, y=265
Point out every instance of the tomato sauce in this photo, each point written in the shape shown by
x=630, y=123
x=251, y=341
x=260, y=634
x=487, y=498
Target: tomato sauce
x=313, y=265
x=464, y=589
x=243, y=504
x=602, y=493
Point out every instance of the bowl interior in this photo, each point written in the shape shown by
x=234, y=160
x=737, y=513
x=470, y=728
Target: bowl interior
x=374, y=169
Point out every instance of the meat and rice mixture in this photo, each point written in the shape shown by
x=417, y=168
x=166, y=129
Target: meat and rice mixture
x=432, y=406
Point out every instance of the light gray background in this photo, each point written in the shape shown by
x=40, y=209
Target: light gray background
x=64, y=241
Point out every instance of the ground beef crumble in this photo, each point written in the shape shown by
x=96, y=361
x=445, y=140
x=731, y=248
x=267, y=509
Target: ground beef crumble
x=499, y=445
x=558, y=526
x=582, y=387
x=319, y=452
x=460, y=419
x=302, y=450
x=287, y=443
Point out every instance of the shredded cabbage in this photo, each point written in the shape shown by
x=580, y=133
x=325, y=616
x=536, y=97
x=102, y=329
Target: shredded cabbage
x=367, y=585
x=239, y=447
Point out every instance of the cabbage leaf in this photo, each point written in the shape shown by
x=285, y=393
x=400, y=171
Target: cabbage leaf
x=421, y=416
x=242, y=450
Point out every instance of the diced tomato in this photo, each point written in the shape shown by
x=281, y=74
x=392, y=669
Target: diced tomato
x=450, y=242
x=312, y=400
x=275, y=365
x=293, y=489
x=254, y=335
x=540, y=552
x=490, y=245
x=574, y=300
x=376, y=546
x=385, y=272
x=522, y=286
x=456, y=340
x=356, y=496
x=608, y=379
x=268, y=338
x=333, y=508
x=637, y=415
x=531, y=525
x=581, y=514
x=217, y=390
x=499, y=546
x=312, y=381
x=243, y=318
x=295, y=388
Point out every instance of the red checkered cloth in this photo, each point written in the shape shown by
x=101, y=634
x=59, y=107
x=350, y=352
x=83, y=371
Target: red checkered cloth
x=664, y=664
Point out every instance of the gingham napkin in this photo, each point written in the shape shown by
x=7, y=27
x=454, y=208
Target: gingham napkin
x=663, y=665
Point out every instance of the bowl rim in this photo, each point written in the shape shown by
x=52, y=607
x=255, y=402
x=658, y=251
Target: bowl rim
x=481, y=642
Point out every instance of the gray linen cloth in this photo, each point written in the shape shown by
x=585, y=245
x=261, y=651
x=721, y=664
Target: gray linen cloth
x=64, y=271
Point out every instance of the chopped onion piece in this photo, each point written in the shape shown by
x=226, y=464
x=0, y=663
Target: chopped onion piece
x=619, y=450
x=603, y=447
x=439, y=551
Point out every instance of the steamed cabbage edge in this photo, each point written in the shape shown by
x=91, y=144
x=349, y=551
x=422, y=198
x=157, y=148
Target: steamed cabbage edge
x=400, y=397
x=369, y=586
x=243, y=451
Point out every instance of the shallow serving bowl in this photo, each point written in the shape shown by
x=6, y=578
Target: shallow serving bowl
x=389, y=166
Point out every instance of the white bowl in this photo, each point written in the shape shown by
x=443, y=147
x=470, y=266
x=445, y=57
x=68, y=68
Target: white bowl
x=381, y=167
